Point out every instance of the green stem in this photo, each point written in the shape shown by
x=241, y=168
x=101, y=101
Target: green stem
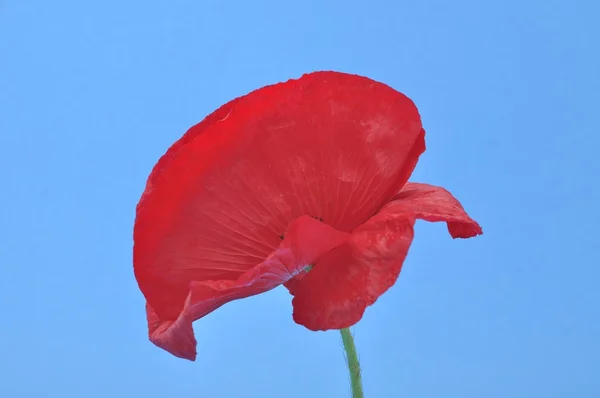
x=353, y=365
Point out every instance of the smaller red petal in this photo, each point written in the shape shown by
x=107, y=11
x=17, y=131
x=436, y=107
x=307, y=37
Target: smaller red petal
x=306, y=240
x=346, y=280
x=338, y=289
x=432, y=203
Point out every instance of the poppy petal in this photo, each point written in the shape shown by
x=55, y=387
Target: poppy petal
x=306, y=240
x=332, y=145
x=337, y=290
x=432, y=203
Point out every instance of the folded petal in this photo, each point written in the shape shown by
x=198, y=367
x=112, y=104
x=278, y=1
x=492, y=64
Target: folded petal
x=343, y=282
x=306, y=240
x=352, y=276
x=431, y=203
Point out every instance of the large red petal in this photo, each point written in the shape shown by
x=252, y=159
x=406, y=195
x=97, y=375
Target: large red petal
x=330, y=145
x=338, y=289
x=306, y=240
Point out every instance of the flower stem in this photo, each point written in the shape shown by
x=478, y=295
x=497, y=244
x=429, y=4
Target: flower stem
x=353, y=365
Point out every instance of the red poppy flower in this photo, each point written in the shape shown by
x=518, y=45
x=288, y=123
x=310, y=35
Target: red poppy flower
x=310, y=173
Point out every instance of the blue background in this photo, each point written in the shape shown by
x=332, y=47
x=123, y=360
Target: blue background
x=93, y=93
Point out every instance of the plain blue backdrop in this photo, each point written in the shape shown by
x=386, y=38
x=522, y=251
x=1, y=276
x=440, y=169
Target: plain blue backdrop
x=92, y=94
